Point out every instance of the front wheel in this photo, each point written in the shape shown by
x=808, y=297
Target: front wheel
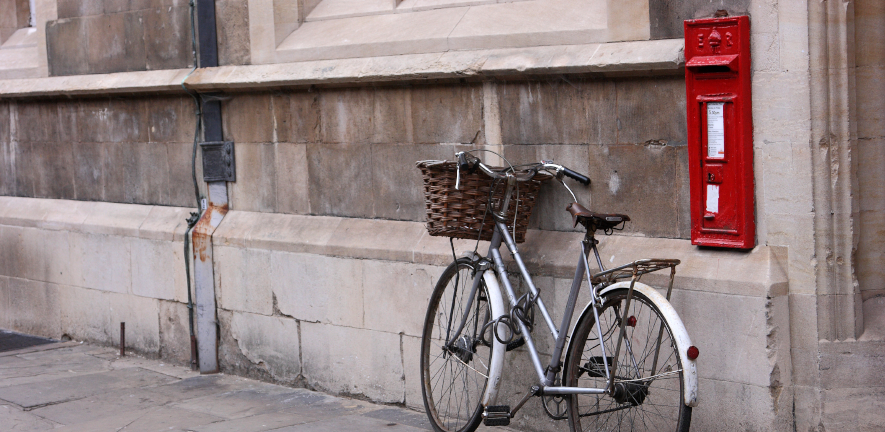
x=647, y=394
x=455, y=367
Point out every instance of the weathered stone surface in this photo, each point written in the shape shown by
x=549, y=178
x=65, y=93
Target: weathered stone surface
x=341, y=179
x=170, y=119
x=115, y=42
x=397, y=287
x=398, y=184
x=368, y=363
x=446, y=114
x=174, y=332
x=106, y=264
x=16, y=419
x=153, y=268
x=66, y=52
x=53, y=167
x=392, y=115
x=296, y=116
x=78, y=8
x=318, y=288
x=95, y=316
x=167, y=36
x=856, y=409
x=181, y=183
x=346, y=115
x=748, y=407
x=147, y=173
x=255, y=188
x=412, y=371
x=558, y=112
x=89, y=170
x=651, y=110
x=244, y=279
x=271, y=343
x=232, y=26
x=36, y=121
x=37, y=307
x=61, y=390
x=292, y=178
x=666, y=16
x=248, y=118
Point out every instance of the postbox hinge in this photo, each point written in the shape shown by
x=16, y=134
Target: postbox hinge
x=218, y=161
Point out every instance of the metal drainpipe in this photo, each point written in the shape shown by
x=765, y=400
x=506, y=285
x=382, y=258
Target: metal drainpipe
x=216, y=205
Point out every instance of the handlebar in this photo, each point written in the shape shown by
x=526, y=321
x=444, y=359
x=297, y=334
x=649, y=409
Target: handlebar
x=470, y=163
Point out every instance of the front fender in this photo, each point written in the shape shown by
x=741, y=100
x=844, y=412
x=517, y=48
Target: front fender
x=680, y=335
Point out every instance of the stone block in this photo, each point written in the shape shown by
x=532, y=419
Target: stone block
x=776, y=117
x=803, y=321
x=398, y=184
x=232, y=26
x=683, y=193
x=296, y=116
x=153, y=268
x=52, y=166
x=393, y=115
x=244, y=279
x=372, y=368
x=851, y=364
x=870, y=196
x=796, y=231
x=36, y=121
x=291, y=178
x=116, y=42
x=651, y=110
x=174, y=332
x=66, y=52
x=181, y=183
x=666, y=17
x=7, y=168
x=60, y=266
x=318, y=288
x=146, y=167
x=106, y=264
x=765, y=52
x=855, y=409
x=26, y=259
x=95, y=316
x=272, y=343
x=346, y=115
x=255, y=188
x=870, y=118
x=337, y=186
x=405, y=288
x=558, y=112
x=640, y=181
x=115, y=173
x=734, y=330
x=412, y=371
x=78, y=8
x=170, y=119
x=782, y=163
x=235, y=228
x=307, y=234
x=870, y=250
x=731, y=406
x=446, y=113
x=89, y=170
x=164, y=224
x=249, y=118
x=167, y=37
x=793, y=34
x=868, y=22
x=119, y=120
x=374, y=239
x=33, y=307
x=549, y=212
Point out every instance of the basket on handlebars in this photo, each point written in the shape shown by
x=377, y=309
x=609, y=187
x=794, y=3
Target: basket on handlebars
x=462, y=213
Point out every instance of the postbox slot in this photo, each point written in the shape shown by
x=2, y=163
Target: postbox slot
x=713, y=64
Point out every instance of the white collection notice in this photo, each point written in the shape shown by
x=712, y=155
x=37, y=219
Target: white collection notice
x=715, y=130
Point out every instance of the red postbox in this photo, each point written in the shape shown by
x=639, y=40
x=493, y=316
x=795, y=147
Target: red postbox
x=720, y=132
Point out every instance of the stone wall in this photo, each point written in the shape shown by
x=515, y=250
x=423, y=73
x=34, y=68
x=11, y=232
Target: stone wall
x=14, y=14
x=92, y=37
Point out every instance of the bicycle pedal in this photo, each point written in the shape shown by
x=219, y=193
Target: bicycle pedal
x=497, y=415
x=516, y=344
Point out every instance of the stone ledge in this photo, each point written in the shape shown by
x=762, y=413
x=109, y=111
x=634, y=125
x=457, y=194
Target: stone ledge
x=88, y=217
x=757, y=273
x=660, y=56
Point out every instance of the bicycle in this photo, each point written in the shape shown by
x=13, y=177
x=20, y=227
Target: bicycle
x=629, y=363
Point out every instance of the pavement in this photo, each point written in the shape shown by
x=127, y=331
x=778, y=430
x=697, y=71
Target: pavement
x=71, y=386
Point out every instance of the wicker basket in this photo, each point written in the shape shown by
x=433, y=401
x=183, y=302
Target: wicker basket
x=462, y=213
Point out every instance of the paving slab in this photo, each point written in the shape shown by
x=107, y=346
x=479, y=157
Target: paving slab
x=84, y=388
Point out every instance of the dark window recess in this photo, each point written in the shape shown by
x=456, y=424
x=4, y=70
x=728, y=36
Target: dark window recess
x=218, y=161
x=13, y=341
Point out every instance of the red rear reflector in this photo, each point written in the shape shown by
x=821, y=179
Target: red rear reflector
x=693, y=352
x=631, y=321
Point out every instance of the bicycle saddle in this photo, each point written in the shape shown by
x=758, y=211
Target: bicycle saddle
x=595, y=221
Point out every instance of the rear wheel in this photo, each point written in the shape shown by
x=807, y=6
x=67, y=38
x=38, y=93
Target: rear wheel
x=455, y=368
x=647, y=395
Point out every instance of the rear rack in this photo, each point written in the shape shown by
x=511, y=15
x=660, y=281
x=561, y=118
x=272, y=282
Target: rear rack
x=634, y=269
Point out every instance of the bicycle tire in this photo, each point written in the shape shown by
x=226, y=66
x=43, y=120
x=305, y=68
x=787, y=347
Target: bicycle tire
x=642, y=401
x=454, y=380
